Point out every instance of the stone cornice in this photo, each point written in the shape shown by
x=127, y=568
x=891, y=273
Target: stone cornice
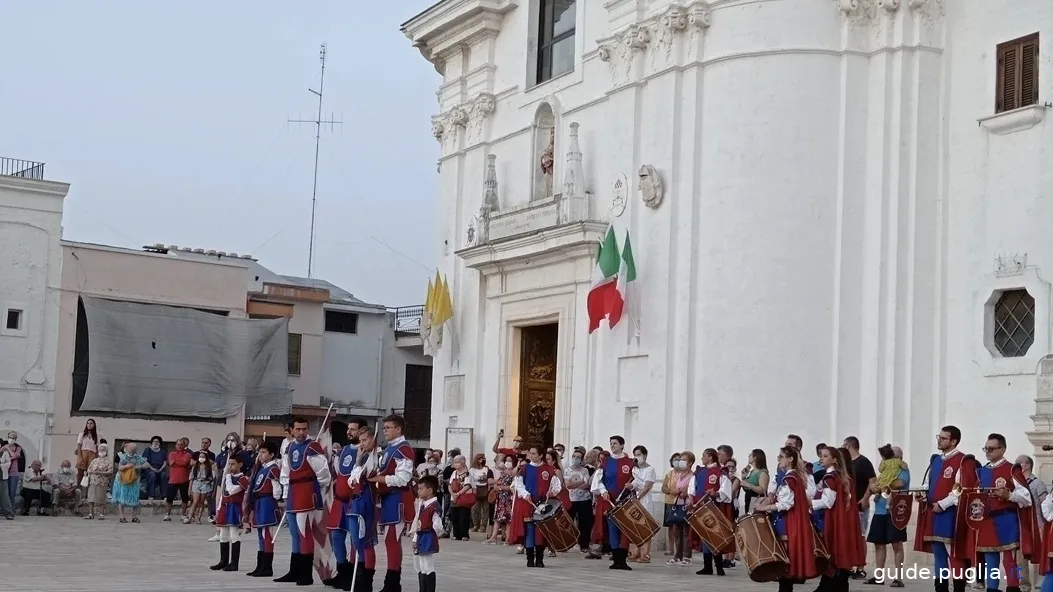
x=470, y=116
x=53, y=188
x=450, y=24
x=654, y=36
x=577, y=239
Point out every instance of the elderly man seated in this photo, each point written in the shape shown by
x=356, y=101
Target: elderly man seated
x=36, y=486
x=66, y=492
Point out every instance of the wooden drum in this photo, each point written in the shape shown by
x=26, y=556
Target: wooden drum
x=760, y=548
x=635, y=522
x=822, y=556
x=556, y=526
x=713, y=527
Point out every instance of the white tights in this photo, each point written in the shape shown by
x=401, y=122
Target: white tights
x=424, y=564
x=229, y=534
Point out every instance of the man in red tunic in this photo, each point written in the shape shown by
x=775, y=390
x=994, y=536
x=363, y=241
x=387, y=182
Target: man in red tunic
x=397, y=507
x=1009, y=521
x=711, y=484
x=304, y=475
x=613, y=477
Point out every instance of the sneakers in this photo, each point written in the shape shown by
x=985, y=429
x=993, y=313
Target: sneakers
x=185, y=520
x=167, y=518
x=214, y=539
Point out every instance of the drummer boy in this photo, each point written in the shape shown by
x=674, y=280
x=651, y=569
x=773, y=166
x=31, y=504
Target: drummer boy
x=710, y=484
x=426, y=530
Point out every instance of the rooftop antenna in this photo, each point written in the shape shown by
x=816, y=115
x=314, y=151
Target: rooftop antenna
x=318, y=122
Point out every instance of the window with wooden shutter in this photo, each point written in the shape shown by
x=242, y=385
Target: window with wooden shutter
x=1016, y=82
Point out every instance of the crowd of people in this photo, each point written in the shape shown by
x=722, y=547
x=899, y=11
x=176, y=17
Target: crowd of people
x=828, y=508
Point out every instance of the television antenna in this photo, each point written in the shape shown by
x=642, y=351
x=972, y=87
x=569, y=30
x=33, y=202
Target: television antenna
x=318, y=123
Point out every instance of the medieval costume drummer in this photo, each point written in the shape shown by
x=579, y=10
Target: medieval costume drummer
x=710, y=484
x=536, y=483
x=612, y=478
x=835, y=517
x=941, y=531
x=304, y=475
x=1009, y=523
x=263, y=503
x=1045, y=565
x=336, y=520
x=361, y=512
x=789, y=515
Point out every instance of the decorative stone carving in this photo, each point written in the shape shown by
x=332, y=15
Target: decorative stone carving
x=619, y=195
x=640, y=38
x=929, y=13
x=650, y=186
x=438, y=128
x=471, y=235
x=848, y=6
x=490, y=200
x=1010, y=265
x=890, y=6
x=656, y=38
x=698, y=16
x=548, y=162
x=619, y=58
x=575, y=205
x=481, y=108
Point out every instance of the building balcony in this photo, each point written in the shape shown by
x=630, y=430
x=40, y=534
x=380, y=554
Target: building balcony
x=26, y=169
x=406, y=323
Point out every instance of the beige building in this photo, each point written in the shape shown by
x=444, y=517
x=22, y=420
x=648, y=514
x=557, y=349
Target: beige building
x=211, y=283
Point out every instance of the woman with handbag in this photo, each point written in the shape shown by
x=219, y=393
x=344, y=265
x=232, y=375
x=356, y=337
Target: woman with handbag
x=482, y=478
x=462, y=498
x=676, y=516
x=126, y=482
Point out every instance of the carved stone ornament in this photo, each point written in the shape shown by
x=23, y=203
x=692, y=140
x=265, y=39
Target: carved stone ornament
x=480, y=109
x=619, y=194
x=1010, y=265
x=890, y=6
x=656, y=38
x=470, y=116
x=650, y=186
x=472, y=233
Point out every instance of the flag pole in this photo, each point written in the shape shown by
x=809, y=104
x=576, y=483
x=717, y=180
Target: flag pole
x=285, y=514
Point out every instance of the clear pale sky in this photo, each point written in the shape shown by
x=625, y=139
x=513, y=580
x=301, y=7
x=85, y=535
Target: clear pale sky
x=168, y=119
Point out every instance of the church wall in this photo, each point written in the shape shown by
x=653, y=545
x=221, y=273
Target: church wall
x=998, y=204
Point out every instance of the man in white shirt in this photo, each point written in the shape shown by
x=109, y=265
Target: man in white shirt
x=66, y=490
x=36, y=485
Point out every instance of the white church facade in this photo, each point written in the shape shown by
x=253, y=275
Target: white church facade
x=846, y=228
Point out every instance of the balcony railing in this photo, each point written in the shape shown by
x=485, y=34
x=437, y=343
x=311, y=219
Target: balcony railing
x=418, y=422
x=407, y=320
x=27, y=169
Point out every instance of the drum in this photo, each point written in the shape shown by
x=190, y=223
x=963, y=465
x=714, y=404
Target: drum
x=635, y=522
x=822, y=556
x=763, y=552
x=556, y=526
x=714, y=528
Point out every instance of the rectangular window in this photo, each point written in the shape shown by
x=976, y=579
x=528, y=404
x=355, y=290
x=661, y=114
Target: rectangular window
x=14, y=319
x=295, y=341
x=1016, y=82
x=555, y=51
x=338, y=321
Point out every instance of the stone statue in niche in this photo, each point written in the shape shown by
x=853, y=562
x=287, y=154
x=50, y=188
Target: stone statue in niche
x=650, y=186
x=548, y=161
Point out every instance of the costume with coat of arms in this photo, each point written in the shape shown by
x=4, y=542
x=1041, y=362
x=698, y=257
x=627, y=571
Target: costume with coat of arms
x=710, y=484
x=612, y=478
x=836, y=518
x=1001, y=526
x=534, y=485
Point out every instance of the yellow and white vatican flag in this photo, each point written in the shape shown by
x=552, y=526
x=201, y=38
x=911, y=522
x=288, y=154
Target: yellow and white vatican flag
x=426, y=332
x=442, y=311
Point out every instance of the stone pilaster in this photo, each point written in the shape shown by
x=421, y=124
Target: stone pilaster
x=1042, y=435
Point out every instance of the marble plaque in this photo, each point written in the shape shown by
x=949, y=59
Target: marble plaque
x=529, y=218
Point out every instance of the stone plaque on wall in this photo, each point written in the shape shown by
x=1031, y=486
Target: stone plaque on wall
x=453, y=394
x=529, y=218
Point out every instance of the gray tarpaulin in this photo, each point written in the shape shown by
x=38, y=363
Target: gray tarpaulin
x=165, y=360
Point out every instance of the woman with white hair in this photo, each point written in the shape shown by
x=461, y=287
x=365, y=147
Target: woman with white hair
x=99, y=473
x=462, y=498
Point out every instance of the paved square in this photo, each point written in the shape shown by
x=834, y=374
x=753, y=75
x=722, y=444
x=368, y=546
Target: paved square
x=42, y=555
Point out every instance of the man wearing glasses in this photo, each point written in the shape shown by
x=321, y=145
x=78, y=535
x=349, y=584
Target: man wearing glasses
x=937, y=515
x=1010, y=522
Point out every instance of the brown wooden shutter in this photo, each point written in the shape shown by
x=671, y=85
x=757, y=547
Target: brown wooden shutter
x=1028, y=73
x=1007, y=89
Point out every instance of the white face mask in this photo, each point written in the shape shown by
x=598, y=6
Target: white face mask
x=201, y=459
x=681, y=464
x=508, y=464
x=639, y=460
x=66, y=469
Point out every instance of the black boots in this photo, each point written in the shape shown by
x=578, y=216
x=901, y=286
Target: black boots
x=301, y=570
x=364, y=582
x=539, y=556
x=341, y=578
x=294, y=566
x=785, y=585
x=392, y=581
x=530, y=556
x=235, y=556
x=707, y=566
x=224, y=557
x=620, y=558
x=305, y=575
x=264, y=565
x=427, y=582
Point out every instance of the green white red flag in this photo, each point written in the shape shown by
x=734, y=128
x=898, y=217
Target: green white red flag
x=604, y=293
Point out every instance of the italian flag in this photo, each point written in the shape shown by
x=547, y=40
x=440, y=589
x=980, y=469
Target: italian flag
x=626, y=282
x=604, y=298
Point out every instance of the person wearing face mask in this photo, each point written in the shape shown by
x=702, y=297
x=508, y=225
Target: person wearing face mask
x=577, y=480
x=536, y=483
x=502, y=506
x=202, y=479
x=99, y=473
x=430, y=466
x=644, y=477
x=66, y=490
x=14, y=467
x=515, y=450
x=676, y=486
x=155, y=471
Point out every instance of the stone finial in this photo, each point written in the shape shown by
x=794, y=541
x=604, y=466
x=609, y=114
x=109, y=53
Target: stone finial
x=574, y=176
x=491, y=203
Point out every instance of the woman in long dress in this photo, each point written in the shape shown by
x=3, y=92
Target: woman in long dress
x=126, y=482
x=99, y=473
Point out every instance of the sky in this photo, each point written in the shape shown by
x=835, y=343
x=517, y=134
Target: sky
x=169, y=121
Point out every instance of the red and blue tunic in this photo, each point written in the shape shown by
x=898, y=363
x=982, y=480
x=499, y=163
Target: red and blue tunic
x=939, y=527
x=396, y=502
x=617, y=475
x=839, y=524
x=537, y=480
x=427, y=542
x=794, y=526
x=707, y=486
x=234, y=488
x=1006, y=521
x=361, y=512
x=305, y=494
x=344, y=466
x=264, y=504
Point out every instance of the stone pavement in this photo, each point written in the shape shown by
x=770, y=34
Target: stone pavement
x=42, y=555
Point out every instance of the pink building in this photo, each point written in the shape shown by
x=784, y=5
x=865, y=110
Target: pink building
x=199, y=281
